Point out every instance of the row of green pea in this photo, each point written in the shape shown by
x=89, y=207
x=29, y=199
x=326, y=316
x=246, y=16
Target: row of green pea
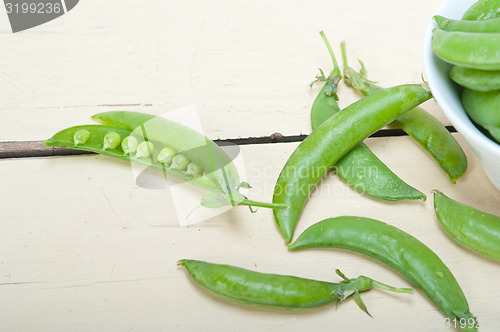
x=144, y=150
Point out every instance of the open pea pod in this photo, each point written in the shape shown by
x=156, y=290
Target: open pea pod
x=75, y=137
x=166, y=146
x=183, y=140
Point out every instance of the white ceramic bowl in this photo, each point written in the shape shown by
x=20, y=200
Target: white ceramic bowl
x=446, y=93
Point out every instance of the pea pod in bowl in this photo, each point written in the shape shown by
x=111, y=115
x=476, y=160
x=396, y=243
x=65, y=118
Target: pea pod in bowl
x=475, y=50
x=484, y=109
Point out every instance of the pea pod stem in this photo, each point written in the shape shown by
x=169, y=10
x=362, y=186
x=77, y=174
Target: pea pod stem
x=336, y=73
x=399, y=250
x=252, y=203
x=487, y=26
x=421, y=126
x=325, y=104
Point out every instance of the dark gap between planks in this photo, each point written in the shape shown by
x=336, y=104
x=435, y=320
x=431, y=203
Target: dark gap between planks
x=32, y=149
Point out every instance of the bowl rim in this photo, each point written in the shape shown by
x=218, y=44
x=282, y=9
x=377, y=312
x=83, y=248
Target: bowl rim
x=462, y=124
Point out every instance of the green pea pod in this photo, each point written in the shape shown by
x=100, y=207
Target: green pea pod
x=467, y=49
x=164, y=145
x=277, y=291
x=333, y=139
x=482, y=10
x=475, y=79
x=95, y=143
x=425, y=129
x=489, y=25
x=360, y=167
x=484, y=109
x=195, y=146
x=477, y=230
x=399, y=250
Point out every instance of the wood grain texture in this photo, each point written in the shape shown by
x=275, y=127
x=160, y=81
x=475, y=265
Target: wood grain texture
x=83, y=247
x=247, y=65
x=88, y=243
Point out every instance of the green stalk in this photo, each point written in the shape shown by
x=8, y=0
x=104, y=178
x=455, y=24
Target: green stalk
x=249, y=202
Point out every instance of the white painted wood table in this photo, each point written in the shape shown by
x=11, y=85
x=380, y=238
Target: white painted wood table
x=86, y=247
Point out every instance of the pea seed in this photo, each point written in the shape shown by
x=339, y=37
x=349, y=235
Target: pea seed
x=166, y=155
x=179, y=162
x=144, y=150
x=129, y=145
x=194, y=169
x=81, y=136
x=111, y=141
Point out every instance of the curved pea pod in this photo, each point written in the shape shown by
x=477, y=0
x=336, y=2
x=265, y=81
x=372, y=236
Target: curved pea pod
x=277, y=291
x=426, y=130
x=467, y=49
x=484, y=109
x=399, y=250
x=483, y=9
x=186, y=141
x=360, y=168
x=332, y=140
x=421, y=126
x=489, y=25
x=474, y=229
x=475, y=79
x=95, y=142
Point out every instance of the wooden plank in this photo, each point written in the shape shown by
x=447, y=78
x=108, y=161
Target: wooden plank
x=84, y=247
x=247, y=66
x=27, y=149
